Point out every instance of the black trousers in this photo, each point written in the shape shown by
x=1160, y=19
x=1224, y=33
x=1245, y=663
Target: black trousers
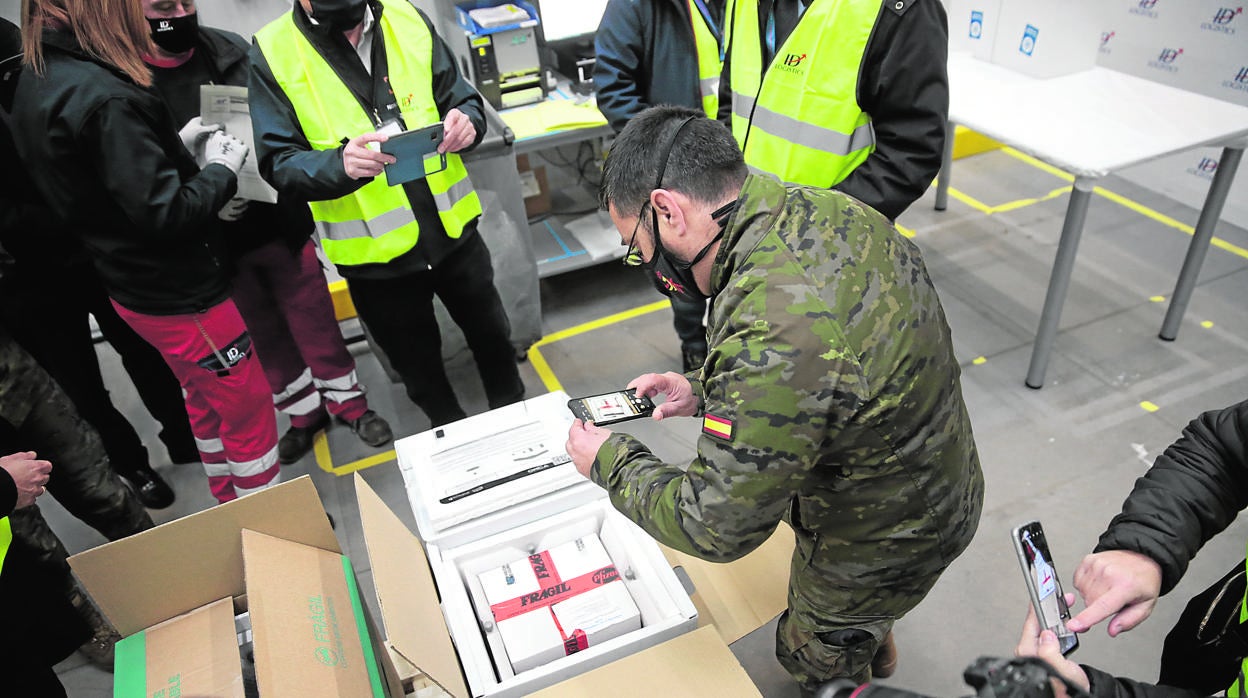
x=399, y=315
x=48, y=317
x=81, y=479
x=687, y=320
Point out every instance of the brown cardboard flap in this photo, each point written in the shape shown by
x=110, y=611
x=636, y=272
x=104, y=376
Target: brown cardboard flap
x=152, y=576
x=309, y=640
x=741, y=596
x=407, y=594
x=694, y=664
x=195, y=654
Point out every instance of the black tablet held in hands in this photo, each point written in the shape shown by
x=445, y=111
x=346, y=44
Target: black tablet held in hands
x=416, y=154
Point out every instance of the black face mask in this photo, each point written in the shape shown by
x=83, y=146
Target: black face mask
x=672, y=276
x=339, y=15
x=175, y=34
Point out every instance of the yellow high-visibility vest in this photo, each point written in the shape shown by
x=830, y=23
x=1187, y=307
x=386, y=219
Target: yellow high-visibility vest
x=6, y=537
x=375, y=223
x=799, y=119
x=1238, y=687
x=710, y=65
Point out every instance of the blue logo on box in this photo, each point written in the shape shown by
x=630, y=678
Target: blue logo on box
x=1028, y=44
x=977, y=24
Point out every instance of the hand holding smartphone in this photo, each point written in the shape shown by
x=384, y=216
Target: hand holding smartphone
x=611, y=408
x=1047, y=597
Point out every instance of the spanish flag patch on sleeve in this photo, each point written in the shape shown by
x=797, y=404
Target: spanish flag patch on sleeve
x=717, y=427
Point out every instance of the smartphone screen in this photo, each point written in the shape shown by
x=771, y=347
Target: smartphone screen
x=1043, y=585
x=416, y=152
x=609, y=408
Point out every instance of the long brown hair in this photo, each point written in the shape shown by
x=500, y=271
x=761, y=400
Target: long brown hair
x=113, y=31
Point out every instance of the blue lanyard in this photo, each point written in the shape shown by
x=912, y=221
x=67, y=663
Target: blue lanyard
x=710, y=24
x=771, y=25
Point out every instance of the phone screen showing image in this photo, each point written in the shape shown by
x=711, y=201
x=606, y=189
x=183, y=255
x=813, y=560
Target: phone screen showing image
x=1043, y=585
x=609, y=408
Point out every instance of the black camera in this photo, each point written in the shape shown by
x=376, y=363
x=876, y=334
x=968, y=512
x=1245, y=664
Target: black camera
x=1025, y=677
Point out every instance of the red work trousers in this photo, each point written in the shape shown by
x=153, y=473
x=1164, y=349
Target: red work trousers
x=227, y=398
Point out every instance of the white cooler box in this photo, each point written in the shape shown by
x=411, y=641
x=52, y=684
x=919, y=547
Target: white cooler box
x=491, y=491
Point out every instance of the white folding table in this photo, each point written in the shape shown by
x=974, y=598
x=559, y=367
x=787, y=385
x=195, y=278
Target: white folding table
x=1089, y=124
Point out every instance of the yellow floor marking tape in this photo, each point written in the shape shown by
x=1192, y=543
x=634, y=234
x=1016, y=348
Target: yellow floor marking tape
x=324, y=459
x=1149, y=407
x=979, y=360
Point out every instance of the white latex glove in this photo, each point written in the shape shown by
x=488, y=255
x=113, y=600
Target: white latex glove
x=224, y=149
x=194, y=133
x=233, y=209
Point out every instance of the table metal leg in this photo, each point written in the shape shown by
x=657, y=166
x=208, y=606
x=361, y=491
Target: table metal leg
x=1059, y=280
x=1209, y=215
x=946, y=169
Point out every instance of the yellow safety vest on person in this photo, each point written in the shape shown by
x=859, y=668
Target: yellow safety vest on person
x=800, y=120
x=710, y=61
x=6, y=537
x=1237, y=688
x=374, y=224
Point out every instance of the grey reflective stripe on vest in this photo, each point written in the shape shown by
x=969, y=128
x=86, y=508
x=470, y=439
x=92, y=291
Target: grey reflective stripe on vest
x=378, y=226
x=811, y=136
x=742, y=105
x=458, y=191
x=710, y=86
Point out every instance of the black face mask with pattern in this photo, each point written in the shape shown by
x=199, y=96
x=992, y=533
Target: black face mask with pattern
x=671, y=275
x=175, y=34
x=339, y=15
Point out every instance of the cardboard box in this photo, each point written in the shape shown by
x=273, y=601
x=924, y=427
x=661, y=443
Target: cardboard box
x=194, y=654
x=175, y=568
x=1048, y=39
x=534, y=186
x=311, y=636
x=556, y=602
x=180, y=566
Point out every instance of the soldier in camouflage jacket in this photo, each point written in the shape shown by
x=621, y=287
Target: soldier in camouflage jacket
x=830, y=398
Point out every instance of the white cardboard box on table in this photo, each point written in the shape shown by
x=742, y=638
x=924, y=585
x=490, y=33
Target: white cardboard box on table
x=497, y=487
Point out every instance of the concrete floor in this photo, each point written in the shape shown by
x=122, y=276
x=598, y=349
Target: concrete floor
x=1066, y=454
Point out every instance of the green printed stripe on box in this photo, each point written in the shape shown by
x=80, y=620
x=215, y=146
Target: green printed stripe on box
x=366, y=640
x=130, y=667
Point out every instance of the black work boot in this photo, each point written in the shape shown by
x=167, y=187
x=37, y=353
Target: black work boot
x=297, y=441
x=372, y=429
x=150, y=487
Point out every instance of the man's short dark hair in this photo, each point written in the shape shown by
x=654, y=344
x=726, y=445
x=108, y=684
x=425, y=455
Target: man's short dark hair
x=704, y=164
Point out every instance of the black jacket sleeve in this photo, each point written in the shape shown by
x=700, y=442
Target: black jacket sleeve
x=153, y=195
x=904, y=86
x=1104, y=685
x=1194, y=490
x=620, y=52
x=286, y=159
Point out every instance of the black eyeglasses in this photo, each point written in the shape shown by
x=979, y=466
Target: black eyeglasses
x=632, y=258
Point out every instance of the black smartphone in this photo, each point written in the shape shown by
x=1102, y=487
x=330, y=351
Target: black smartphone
x=416, y=154
x=610, y=408
x=1043, y=586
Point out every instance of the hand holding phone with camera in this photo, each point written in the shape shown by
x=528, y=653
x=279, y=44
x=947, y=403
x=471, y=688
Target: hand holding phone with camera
x=1045, y=589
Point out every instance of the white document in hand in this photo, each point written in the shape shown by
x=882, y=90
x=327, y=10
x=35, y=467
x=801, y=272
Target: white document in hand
x=227, y=105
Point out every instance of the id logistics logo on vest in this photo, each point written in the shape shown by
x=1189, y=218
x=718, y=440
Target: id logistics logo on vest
x=792, y=63
x=1239, y=82
x=1165, y=60
x=1145, y=8
x=1222, y=19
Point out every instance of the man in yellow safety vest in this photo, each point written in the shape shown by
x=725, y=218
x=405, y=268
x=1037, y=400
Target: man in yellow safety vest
x=330, y=81
x=847, y=94
x=653, y=52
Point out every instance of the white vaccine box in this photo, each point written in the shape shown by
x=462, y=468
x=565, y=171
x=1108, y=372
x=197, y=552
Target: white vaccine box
x=497, y=487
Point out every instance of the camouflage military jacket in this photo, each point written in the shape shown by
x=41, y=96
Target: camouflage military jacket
x=831, y=400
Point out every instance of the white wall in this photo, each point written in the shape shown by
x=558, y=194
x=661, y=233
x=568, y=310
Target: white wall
x=1196, y=45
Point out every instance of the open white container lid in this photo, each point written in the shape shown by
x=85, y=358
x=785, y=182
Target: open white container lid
x=499, y=506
